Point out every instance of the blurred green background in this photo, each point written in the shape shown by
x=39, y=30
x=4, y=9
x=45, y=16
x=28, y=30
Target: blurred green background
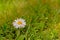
x=42, y=18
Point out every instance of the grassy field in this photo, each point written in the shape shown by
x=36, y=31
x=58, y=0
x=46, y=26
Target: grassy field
x=42, y=18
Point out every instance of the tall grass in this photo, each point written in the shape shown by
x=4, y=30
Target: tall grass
x=42, y=17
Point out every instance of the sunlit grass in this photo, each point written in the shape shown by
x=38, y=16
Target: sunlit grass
x=42, y=18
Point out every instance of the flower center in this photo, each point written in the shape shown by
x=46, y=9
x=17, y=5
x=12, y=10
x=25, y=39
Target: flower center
x=19, y=22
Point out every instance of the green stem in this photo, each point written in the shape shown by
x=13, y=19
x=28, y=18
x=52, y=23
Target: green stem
x=17, y=33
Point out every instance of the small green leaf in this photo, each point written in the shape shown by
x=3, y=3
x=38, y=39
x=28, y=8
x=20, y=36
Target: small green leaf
x=21, y=37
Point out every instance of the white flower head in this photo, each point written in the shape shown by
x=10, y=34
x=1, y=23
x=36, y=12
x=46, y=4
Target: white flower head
x=19, y=23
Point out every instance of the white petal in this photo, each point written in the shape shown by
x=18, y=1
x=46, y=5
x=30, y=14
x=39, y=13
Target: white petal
x=21, y=25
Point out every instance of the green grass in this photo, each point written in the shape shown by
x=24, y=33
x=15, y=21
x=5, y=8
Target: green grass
x=42, y=18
